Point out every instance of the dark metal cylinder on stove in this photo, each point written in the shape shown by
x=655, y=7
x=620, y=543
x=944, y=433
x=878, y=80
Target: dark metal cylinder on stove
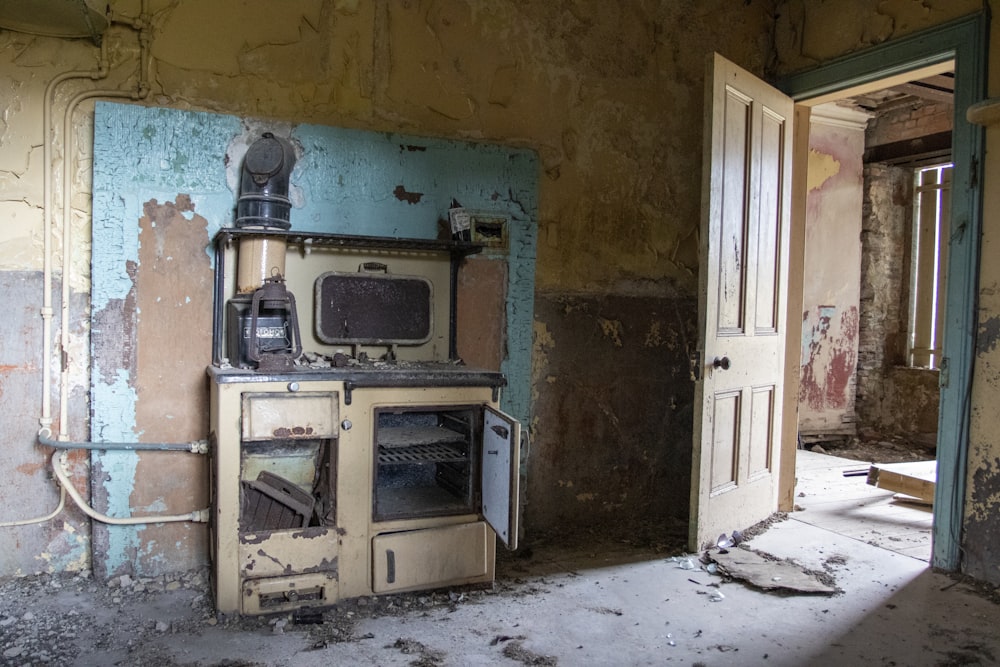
x=263, y=204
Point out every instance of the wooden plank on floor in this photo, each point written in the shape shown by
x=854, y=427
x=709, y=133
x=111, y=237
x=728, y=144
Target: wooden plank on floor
x=915, y=478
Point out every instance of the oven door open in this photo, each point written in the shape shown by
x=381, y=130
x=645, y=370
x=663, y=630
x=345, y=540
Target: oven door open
x=500, y=472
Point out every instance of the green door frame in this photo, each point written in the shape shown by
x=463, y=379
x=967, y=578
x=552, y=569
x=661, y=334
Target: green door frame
x=964, y=41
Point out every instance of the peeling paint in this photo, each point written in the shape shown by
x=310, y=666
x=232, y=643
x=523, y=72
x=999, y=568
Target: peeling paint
x=542, y=336
x=612, y=329
x=822, y=168
x=653, y=335
x=263, y=554
x=67, y=552
x=829, y=358
x=596, y=447
x=402, y=194
x=982, y=521
x=988, y=335
x=29, y=468
x=343, y=183
x=324, y=565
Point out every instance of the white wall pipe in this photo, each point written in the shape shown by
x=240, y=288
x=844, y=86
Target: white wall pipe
x=41, y=519
x=67, y=235
x=58, y=463
x=142, y=89
x=48, y=227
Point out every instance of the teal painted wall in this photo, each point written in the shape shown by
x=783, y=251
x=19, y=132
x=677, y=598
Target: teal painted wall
x=345, y=181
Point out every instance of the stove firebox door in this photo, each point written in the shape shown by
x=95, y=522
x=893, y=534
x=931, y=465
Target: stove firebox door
x=501, y=474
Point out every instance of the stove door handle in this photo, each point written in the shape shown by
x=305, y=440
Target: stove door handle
x=390, y=566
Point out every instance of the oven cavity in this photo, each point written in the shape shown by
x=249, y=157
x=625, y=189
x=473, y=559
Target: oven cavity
x=424, y=462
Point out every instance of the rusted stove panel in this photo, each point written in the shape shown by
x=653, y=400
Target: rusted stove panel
x=269, y=416
x=288, y=552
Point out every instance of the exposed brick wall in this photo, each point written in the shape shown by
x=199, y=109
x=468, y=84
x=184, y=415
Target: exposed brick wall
x=892, y=400
x=885, y=225
x=908, y=120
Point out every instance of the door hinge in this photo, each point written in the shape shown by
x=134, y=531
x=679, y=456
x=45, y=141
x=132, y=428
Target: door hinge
x=943, y=373
x=696, y=366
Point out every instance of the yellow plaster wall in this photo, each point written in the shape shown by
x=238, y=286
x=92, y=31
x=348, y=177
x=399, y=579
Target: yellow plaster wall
x=982, y=520
x=608, y=93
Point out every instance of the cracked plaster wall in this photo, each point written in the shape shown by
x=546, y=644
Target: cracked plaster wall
x=831, y=284
x=608, y=94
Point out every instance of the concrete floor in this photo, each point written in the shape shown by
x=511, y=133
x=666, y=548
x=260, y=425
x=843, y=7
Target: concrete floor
x=849, y=506
x=597, y=605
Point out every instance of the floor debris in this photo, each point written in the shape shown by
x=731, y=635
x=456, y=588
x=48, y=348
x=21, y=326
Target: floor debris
x=768, y=574
x=915, y=478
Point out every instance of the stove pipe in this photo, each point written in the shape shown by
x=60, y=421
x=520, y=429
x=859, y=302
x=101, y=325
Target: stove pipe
x=267, y=168
x=263, y=204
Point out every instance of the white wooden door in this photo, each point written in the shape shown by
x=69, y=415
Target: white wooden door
x=742, y=302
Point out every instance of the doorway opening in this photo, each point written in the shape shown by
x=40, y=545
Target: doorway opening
x=959, y=47
x=876, y=229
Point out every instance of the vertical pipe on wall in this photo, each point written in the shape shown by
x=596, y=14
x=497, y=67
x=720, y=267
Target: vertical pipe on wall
x=67, y=236
x=48, y=226
x=140, y=92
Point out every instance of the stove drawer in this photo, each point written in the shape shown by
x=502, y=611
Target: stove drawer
x=431, y=557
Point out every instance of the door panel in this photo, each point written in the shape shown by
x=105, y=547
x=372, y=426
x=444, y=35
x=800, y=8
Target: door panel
x=762, y=425
x=742, y=302
x=731, y=232
x=725, y=425
x=769, y=256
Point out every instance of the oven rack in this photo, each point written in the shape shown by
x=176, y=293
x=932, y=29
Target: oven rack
x=406, y=436
x=437, y=452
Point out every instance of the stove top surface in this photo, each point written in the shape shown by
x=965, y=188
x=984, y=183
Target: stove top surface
x=365, y=371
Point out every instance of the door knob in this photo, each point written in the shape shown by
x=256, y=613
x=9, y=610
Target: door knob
x=721, y=362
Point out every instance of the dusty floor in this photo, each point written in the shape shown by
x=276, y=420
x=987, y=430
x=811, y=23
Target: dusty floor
x=598, y=602
x=875, y=450
x=621, y=606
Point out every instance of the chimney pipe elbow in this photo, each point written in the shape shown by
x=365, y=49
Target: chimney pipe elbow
x=264, y=184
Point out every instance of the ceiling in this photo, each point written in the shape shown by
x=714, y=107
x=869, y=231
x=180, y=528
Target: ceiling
x=916, y=151
x=937, y=88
